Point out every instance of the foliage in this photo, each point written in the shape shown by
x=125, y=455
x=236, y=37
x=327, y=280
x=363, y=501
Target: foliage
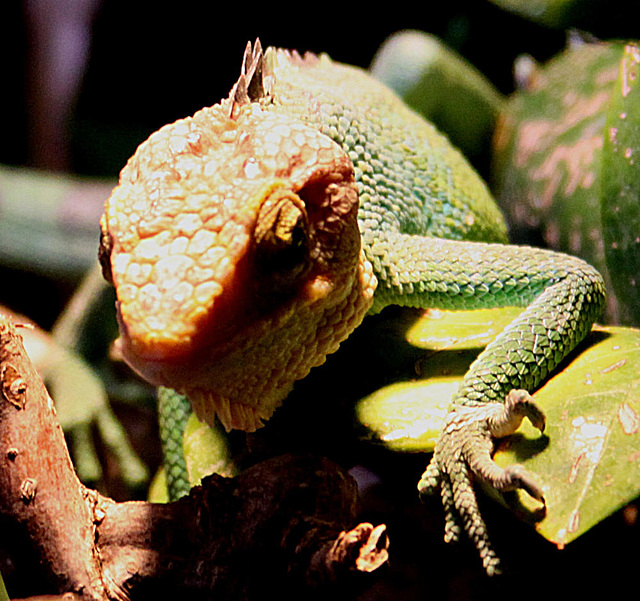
x=620, y=188
x=587, y=459
x=564, y=163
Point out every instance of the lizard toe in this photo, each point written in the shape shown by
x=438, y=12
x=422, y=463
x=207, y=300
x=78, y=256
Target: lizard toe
x=463, y=454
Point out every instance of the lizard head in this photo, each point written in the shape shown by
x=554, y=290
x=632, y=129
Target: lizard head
x=233, y=245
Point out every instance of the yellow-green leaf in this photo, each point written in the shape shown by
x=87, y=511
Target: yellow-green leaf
x=205, y=451
x=457, y=330
x=620, y=188
x=588, y=461
x=408, y=416
x=4, y=596
x=158, y=491
x=427, y=74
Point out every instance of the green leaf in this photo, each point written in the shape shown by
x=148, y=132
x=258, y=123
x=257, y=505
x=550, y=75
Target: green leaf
x=457, y=330
x=44, y=227
x=548, y=153
x=408, y=416
x=427, y=74
x=588, y=459
x=620, y=189
x=4, y=596
x=158, y=490
x=553, y=13
x=205, y=451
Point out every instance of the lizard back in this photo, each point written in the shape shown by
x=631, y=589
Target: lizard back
x=410, y=178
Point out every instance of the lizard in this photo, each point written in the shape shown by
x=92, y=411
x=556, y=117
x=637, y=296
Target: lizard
x=246, y=242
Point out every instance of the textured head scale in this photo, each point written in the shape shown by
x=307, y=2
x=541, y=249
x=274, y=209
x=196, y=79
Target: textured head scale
x=233, y=245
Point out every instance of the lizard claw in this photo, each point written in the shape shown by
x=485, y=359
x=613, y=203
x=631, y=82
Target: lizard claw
x=463, y=453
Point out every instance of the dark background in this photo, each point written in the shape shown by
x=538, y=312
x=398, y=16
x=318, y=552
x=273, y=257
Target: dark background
x=151, y=63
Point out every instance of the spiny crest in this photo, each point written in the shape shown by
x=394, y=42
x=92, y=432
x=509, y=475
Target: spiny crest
x=254, y=82
x=256, y=74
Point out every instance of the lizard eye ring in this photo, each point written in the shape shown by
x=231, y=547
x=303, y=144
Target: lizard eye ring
x=282, y=236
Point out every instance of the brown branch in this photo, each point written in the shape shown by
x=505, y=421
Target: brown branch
x=38, y=486
x=282, y=523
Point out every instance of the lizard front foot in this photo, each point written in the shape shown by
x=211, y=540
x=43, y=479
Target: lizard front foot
x=463, y=452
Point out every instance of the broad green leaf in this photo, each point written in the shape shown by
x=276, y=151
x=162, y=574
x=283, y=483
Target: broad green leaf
x=566, y=163
x=457, y=330
x=427, y=74
x=588, y=459
x=548, y=153
x=408, y=416
x=553, y=13
x=620, y=189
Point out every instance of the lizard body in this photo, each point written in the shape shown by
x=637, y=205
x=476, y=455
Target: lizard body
x=246, y=242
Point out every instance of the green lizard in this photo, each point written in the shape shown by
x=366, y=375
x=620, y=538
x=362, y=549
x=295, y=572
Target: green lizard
x=248, y=241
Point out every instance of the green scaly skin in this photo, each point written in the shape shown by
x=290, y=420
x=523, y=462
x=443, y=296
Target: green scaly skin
x=173, y=412
x=434, y=237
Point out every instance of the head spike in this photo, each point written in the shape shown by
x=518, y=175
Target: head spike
x=252, y=83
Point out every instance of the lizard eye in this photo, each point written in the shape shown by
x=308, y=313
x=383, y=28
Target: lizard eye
x=104, y=254
x=282, y=238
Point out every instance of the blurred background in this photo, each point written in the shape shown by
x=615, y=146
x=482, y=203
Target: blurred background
x=85, y=81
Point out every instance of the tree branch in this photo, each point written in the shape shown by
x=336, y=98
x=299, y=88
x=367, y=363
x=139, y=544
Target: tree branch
x=282, y=523
x=38, y=486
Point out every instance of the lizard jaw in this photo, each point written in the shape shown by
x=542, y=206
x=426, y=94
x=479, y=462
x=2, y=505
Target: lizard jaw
x=284, y=356
x=243, y=381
